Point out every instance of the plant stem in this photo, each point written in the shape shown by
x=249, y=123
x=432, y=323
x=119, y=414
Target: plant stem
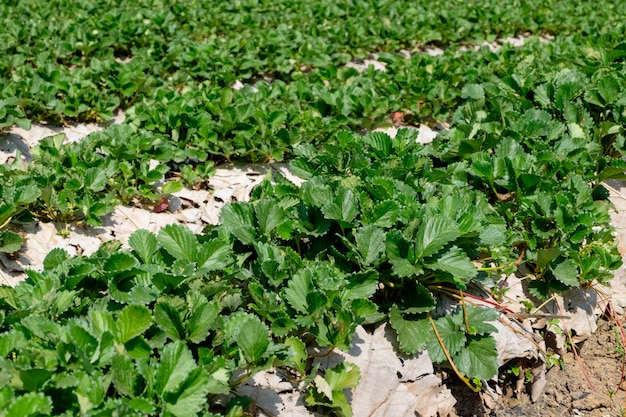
x=465, y=380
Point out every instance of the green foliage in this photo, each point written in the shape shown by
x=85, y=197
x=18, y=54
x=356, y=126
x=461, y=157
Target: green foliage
x=378, y=231
x=328, y=391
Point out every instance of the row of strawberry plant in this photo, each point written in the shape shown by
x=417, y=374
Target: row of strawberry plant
x=192, y=129
x=186, y=132
x=540, y=148
x=82, y=60
x=264, y=121
x=378, y=229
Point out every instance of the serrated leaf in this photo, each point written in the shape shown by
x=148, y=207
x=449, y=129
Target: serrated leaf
x=478, y=319
x=370, y=242
x=454, y=261
x=26, y=193
x=191, y=396
x=493, y=235
x=175, y=366
x=380, y=142
x=168, y=319
x=144, y=243
x=413, y=335
x=30, y=404
x=55, y=257
x=123, y=375
x=269, y=215
x=298, y=354
x=545, y=256
x=316, y=192
x=7, y=210
x=385, y=214
x=345, y=375
x=214, y=255
x=415, y=299
x=179, y=241
x=95, y=179
x=344, y=208
x=120, y=262
x=473, y=91
x=400, y=253
x=201, y=321
x=434, y=233
x=478, y=359
x=567, y=273
x=323, y=387
x=132, y=321
x=452, y=336
x=10, y=241
x=9, y=341
x=576, y=131
x=84, y=341
x=239, y=219
x=172, y=187
x=297, y=289
x=609, y=88
x=252, y=337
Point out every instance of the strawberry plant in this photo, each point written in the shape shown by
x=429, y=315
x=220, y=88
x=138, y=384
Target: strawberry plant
x=381, y=231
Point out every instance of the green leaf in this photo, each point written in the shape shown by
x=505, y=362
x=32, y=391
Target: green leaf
x=95, y=179
x=316, y=192
x=478, y=319
x=168, y=319
x=576, y=131
x=297, y=289
x=545, y=256
x=55, y=257
x=567, y=273
x=144, y=243
x=385, y=214
x=434, y=233
x=344, y=375
x=172, y=187
x=239, y=219
x=26, y=193
x=609, y=88
x=493, y=235
x=30, y=404
x=190, y=398
x=452, y=335
x=323, y=387
x=413, y=335
x=299, y=355
x=175, y=366
x=269, y=215
x=473, y=91
x=120, y=262
x=401, y=255
x=201, y=321
x=123, y=375
x=344, y=208
x=415, y=299
x=370, y=242
x=179, y=241
x=132, y=321
x=32, y=379
x=214, y=255
x=379, y=142
x=9, y=341
x=10, y=242
x=479, y=358
x=252, y=337
x=454, y=261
